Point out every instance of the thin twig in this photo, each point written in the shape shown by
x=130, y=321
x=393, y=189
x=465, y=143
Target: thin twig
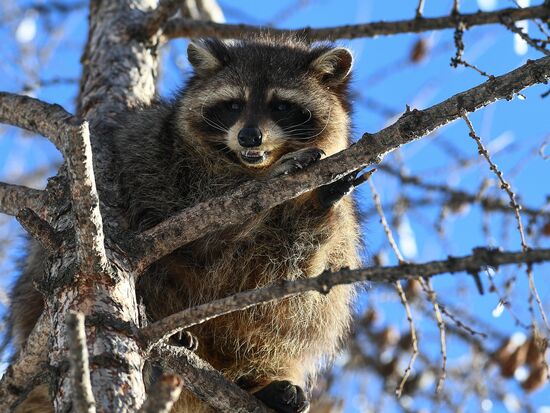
x=430, y=294
x=426, y=286
x=506, y=21
x=400, y=292
x=513, y=203
x=179, y=27
x=456, y=4
x=457, y=197
x=480, y=259
x=419, y=9
x=83, y=398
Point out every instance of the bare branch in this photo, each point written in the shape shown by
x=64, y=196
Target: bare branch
x=458, y=197
x=160, y=15
x=56, y=7
x=419, y=9
x=85, y=200
x=514, y=204
x=180, y=27
x=71, y=135
x=39, y=229
x=476, y=262
x=46, y=119
x=517, y=30
x=30, y=362
x=205, y=382
x=13, y=198
x=399, y=288
x=253, y=197
x=163, y=395
x=83, y=398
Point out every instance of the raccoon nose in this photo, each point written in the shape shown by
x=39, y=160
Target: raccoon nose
x=250, y=137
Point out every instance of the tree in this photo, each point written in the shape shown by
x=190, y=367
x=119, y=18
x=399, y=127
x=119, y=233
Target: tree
x=93, y=261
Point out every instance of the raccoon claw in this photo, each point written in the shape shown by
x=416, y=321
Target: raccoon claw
x=332, y=193
x=284, y=397
x=185, y=339
x=294, y=161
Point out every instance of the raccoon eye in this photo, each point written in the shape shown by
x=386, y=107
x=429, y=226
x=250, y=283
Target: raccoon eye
x=234, y=106
x=281, y=106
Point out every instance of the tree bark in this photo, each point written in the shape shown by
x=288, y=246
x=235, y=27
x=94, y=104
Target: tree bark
x=118, y=72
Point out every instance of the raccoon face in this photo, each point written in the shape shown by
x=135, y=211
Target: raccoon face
x=255, y=101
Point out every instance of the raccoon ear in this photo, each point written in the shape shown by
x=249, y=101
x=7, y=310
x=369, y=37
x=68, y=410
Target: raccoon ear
x=334, y=65
x=202, y=58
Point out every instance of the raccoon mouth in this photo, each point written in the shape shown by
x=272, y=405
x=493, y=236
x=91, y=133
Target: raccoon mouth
x=253, y=156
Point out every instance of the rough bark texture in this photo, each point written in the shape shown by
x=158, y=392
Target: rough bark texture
x=13, y=198
x=205, y=382
x=39, y=229
x=35, y=116
x=189, y=28
x=119, y=72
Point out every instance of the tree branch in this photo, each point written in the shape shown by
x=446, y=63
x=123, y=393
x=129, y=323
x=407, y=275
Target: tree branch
x=180, y=27
x=506, y=21
x=163, y=395
x=46, y=119
x=156, y=332
x=85, y=200
x=39, y=230
x=83, y=398
x=459, y=197
x=205, y=382
x=71, y=136
x=13, y=198
x=30, y=362
x=160, y=15
x=253, y=197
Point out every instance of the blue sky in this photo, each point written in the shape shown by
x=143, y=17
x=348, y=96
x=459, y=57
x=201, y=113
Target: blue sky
x=382, y=73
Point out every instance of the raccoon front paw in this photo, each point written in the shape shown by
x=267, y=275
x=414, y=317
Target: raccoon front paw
x=284, y=397
x=294, y=161
x=185, y=339
x=332, y=193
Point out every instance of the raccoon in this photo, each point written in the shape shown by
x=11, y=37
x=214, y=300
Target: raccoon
x=252, y=110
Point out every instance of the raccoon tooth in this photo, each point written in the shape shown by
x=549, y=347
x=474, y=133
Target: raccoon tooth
x=253, y=153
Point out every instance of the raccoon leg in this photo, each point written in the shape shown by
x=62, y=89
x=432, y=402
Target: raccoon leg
x=329, y=194
x=284, y=397
x=294, y=161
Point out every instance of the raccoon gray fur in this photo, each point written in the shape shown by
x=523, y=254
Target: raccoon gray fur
x=253, y=109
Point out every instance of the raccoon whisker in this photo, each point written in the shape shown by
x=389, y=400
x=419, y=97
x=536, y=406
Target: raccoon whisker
x=213, y=123
x=324, y=127
x=298, y=124
x=298, y=130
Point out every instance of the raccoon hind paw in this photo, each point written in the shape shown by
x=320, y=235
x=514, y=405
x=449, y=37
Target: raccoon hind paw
x=284, y=397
